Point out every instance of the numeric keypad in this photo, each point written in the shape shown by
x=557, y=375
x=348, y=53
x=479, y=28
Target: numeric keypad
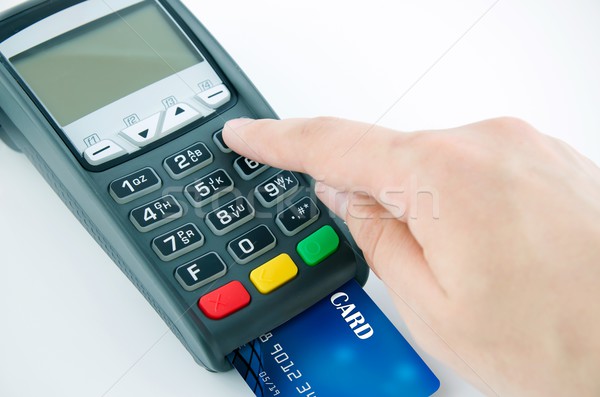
x=247, y=246
x=208, y=188
x=247, y=168
x=177, y=242
x=251, y=244
x=156, y=213
x=189, y=160
x=134, y=185
x=230, y=216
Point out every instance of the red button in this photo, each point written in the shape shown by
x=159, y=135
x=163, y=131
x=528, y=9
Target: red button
x=224, y=301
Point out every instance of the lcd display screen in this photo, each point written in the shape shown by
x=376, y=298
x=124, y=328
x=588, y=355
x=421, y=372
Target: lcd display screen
x=96, y=64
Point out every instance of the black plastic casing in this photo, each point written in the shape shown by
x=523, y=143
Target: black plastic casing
x=84, y=190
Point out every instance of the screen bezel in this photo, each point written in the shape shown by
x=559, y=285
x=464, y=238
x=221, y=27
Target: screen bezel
x=105, y=60
x=41, y=12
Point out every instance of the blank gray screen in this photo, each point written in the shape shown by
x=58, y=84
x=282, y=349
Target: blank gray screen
x=92, y=66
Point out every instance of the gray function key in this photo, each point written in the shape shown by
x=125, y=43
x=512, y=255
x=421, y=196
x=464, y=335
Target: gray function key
x=102, y=152
x=134, y=185
x=298, y=216
x=277, y=188
x=229, y=216
x=188, y=160
x=215, y=97
x=252, y=244
x=177, y=242
x=248, y=169
x=156, y=213
x=208, y=188
x=200, y=271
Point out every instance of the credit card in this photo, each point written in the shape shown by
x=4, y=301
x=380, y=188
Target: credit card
x=343, y=346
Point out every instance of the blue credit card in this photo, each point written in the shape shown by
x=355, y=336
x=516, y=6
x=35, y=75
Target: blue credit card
x=343, y=346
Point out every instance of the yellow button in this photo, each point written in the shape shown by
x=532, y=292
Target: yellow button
x=274, y=273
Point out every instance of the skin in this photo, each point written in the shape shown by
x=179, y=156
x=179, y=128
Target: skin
x=487, y=237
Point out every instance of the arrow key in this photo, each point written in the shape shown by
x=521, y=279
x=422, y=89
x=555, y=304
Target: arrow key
x=178, y=116
x=144, y=132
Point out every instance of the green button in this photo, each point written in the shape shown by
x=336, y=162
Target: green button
x=318, y=246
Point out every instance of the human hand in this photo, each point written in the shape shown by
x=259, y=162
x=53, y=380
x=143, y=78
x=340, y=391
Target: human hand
x=487, y=237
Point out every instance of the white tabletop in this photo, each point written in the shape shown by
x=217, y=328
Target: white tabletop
x=73, y=325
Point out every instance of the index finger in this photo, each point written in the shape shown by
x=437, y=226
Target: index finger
x=342, y=153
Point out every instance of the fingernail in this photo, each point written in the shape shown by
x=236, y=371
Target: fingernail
x=237, y=123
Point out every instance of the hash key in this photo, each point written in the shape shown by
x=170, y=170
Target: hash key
x=298, y=216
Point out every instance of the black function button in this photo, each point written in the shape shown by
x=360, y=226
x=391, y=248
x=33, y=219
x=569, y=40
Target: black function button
x=220, y=142
x=200, y=271
x=297, y=216
x=277, y=188
x=248, y=169
x=134, y=185
x=208, y=188
x=252, y=244
x=156, y=213
x=229, y=216
x=188, y=160
x=177, y=242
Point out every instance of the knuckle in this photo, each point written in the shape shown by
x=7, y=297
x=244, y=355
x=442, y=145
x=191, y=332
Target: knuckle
x=511, y=127
x=439, y=149
x=510, y=123
x=319, y=125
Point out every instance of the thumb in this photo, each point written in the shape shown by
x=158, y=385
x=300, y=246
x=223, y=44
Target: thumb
x=388, y=245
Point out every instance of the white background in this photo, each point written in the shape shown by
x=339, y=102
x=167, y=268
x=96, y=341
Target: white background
x=72, y=325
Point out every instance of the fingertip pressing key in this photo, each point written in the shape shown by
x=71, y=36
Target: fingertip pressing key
x=233, y=124
x=232, y=131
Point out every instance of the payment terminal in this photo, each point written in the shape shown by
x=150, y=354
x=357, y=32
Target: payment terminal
x=120, y=105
